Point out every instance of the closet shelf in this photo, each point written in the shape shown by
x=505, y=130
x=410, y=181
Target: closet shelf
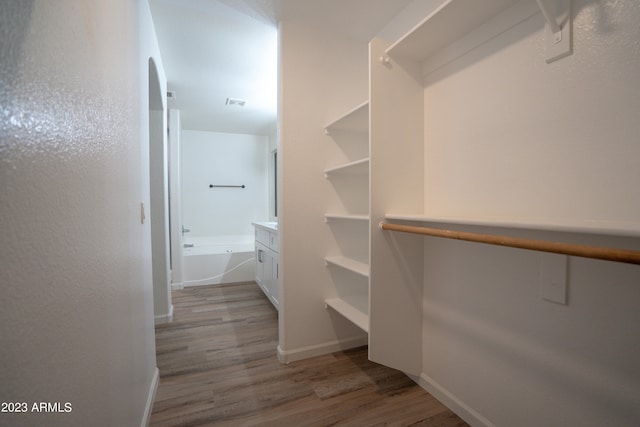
x=353, y=217
x=350, y=264
x=452, y=20
x=359, y=167
x=354, y=308
x=356, y=120
x=607, y=228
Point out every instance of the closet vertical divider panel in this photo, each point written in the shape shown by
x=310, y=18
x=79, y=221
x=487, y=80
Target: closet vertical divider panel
x=396, y=185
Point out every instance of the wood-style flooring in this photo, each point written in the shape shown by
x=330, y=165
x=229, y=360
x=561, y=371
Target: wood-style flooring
x=218, y=367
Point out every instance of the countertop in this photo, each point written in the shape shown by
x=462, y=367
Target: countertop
x=267, y=225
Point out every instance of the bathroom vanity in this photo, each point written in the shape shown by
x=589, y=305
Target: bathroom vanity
x=267, y=265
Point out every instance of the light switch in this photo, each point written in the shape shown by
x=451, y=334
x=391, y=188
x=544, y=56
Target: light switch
x=553, y=277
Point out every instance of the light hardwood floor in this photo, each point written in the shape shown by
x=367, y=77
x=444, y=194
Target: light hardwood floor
x=218, y=367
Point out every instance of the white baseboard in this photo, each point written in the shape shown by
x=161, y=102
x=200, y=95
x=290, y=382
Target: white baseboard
x=320, y=349
x=177, y=286
x=464, y=411
x=164, y=318
x=151, y=397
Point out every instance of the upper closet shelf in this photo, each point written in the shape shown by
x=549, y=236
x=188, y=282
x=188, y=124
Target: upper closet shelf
x=350, y=217
x=356, y=120
x=350, y=264
x=452, y=20
x=354, y=308
x=359, y=167
x=606, y=228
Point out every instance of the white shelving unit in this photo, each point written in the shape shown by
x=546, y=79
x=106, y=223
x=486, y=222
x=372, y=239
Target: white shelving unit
x=350, y=217
x=595, y=227
x=397, y=170
x=452, y=20
x=354, y=308
x=466, y=24
x=350, y=264
x=357, y=167
x=355, y=120
x=409, y=161
x=350, y=228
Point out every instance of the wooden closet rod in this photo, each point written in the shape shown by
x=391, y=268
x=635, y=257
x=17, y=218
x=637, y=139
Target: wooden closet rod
x=607, y=254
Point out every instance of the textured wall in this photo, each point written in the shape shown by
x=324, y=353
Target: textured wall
x=75, y=308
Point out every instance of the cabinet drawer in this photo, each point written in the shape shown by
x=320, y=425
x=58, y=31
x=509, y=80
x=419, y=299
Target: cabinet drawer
x=262, y=236
x=274, y=242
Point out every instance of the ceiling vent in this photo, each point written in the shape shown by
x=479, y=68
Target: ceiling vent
x=235, y=101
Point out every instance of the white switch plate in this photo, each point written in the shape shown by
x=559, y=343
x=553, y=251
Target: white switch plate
x=553, y=277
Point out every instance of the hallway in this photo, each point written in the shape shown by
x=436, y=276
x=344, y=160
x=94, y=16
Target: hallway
x=218, y=366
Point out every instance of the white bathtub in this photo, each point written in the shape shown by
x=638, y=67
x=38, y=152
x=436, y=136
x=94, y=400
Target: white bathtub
x=218, y=259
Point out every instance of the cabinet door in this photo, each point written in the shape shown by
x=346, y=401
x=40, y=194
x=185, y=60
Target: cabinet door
x=268, y=268
x=274, y=288
x=261, y=278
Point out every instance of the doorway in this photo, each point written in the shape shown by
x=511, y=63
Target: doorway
x=159, y=203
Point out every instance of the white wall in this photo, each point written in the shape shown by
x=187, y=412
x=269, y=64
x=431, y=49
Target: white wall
x=321, y=77
x=550, y=143
x=76, y=316
x=158, y=206
x=272, y=172
x=223, y=159
x=408, y=18
x=175, y=199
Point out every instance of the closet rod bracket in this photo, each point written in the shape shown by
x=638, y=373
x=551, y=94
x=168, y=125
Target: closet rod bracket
x=554, y=26
x=557, y=14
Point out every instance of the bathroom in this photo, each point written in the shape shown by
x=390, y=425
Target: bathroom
x=225, y=187
x=222, y=99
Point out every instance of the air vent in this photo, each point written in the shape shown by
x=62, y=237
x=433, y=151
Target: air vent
x=235, y=101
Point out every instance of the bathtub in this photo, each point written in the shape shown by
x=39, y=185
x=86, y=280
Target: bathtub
x=218, y=259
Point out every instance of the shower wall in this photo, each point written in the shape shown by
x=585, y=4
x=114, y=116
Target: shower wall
x=223, y=159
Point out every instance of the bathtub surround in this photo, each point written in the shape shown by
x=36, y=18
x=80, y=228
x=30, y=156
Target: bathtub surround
x=213, y=158
x=225, y=186
x=218, y=259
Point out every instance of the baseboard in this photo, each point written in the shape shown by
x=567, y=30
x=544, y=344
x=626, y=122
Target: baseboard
x=164, y=318
x=177, y=286
x=464, y=411
x=320, y=349
x=151, y=397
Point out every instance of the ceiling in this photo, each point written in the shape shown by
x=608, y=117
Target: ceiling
x=217, y=49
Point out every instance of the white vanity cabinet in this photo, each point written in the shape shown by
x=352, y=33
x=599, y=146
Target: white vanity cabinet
x=267, y=260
